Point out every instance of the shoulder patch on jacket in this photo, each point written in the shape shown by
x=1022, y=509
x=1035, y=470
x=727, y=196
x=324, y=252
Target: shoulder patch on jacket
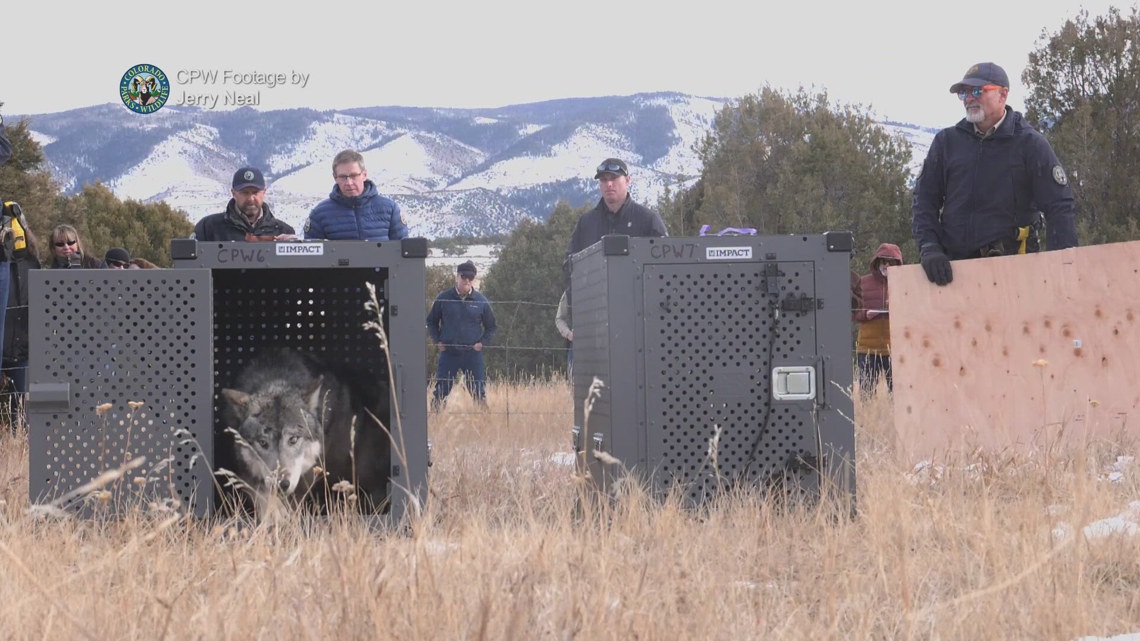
x=1059, y=175
x=308, y=223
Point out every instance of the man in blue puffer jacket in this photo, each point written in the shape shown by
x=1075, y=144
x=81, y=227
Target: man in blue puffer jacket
x=354, y=210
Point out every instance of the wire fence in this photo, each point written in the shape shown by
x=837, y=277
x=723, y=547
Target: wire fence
x=506, y=394
x=545, y=362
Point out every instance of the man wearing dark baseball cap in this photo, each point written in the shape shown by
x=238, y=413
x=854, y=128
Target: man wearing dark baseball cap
x=980, y=75
x=247, y=216
x=615, y=213
x=461, y=323
x=248, y=177
x=988, y=183
x=615, y=166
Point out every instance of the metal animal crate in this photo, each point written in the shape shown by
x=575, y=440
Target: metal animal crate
x=723, y=362
x=126, y=364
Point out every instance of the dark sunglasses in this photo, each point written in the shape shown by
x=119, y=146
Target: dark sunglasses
x=117, y=263
x=976, y=91
x=65, y=243
x=467, y=277
x=611, y=167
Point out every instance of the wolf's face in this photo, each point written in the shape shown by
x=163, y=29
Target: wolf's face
x=281, y=437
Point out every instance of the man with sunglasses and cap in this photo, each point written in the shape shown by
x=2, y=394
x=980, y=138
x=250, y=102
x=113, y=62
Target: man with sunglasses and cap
x=117, y=258
x=987, y=182
x=461, y=323
x=247, y=216
x=615, y=213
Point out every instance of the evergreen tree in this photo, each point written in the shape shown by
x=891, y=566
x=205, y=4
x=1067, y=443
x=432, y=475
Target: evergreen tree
x=792, y=163
x=524, y=286
x=25, y=180
x=1084, y=94
x=104, y=221
x=678, y=207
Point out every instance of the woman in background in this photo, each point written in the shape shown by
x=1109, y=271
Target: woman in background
x=873, y=342
x=68, y=251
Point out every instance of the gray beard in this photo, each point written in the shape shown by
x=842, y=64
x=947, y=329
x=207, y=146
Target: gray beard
x=975, y=116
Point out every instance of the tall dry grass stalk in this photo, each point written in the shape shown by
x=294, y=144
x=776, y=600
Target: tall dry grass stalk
x=972, y=551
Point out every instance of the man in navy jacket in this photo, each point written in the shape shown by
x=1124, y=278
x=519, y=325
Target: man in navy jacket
x=615, y=213
x=461, y=323
x=986, y=182
x=354, y=210
x=247, y=215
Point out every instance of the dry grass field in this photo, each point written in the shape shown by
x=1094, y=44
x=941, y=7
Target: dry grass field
x=998, y=546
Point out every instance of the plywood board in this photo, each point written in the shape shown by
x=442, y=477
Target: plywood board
x=1022, y=352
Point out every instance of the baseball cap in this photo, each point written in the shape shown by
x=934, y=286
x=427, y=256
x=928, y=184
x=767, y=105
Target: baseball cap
x=118, y=255
x=248, y=177
x=981, y=74
x=612, y=166
x=467, y=269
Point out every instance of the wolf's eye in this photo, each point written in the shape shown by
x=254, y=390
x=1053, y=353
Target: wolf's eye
x=263, y=444
x=293, y=440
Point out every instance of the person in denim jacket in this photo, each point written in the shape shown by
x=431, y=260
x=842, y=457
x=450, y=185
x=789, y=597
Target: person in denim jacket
x=461, y=324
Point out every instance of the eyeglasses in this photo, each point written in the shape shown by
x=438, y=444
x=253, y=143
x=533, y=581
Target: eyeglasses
x=976, y=91
x=117, y=264
x=467, y=277
x=348, y=177
x=611, y=167
x=65, y=243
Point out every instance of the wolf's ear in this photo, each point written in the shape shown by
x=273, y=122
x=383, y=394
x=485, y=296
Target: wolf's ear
x=315, y=395
x=240, y=400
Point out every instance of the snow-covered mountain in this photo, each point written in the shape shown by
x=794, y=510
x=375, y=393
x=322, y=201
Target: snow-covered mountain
x=453, y=171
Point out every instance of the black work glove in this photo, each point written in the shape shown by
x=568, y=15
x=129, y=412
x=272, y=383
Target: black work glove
x=937, y=267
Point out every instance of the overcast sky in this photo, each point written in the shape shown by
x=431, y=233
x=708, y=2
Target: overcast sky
x=895, y=56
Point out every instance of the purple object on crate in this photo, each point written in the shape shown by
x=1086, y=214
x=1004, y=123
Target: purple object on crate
x=738, y=231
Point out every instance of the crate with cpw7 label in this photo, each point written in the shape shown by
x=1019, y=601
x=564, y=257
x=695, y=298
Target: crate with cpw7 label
x=708, y=363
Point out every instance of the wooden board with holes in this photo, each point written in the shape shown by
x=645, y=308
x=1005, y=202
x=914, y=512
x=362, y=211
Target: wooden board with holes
x=1022, y=352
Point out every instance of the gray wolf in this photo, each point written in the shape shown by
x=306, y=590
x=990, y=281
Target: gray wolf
x=275, y=408
x=292, y=413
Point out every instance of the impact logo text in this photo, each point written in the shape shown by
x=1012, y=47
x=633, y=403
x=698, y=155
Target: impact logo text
x=303, y=249
x=728, y=253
